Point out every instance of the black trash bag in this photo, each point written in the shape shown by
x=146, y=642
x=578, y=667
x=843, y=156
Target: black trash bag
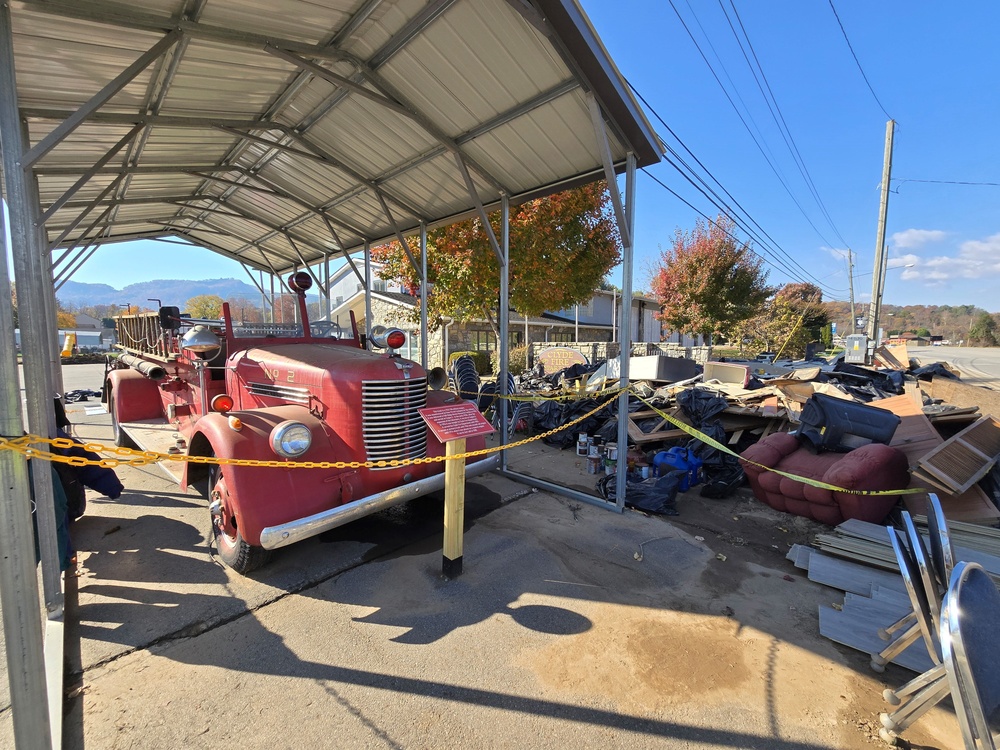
x=571, y=411
x=548, y=415
x=608, y=433
x=656, y=495
x=700, y=405
x=722, y=481
x=878, y=378
x=934, y=370
x=704, y=451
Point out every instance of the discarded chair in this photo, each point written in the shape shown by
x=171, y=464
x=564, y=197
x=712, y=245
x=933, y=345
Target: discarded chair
x=971, y=651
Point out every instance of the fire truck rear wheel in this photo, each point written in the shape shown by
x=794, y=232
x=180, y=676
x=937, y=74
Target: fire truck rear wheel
x=231, y=547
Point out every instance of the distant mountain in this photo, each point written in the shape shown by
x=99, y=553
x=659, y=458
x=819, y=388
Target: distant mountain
x=170, y=291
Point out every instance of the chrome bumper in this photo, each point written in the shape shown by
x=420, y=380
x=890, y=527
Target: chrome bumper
x=273, y=537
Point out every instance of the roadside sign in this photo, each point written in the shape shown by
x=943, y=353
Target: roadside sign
x=455, y=421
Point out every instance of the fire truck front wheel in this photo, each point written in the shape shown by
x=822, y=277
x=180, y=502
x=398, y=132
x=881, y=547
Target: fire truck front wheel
x=122, y=440
x=232, y=549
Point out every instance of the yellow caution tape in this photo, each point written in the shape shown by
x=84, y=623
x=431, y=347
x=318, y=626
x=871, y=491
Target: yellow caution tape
x=805, y=480
x=24, y=445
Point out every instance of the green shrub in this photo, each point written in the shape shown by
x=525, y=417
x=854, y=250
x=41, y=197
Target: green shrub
x=482, y=360
x=517, y=360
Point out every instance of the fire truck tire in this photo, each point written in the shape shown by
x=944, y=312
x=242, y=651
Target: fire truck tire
x=122, y=440
x=232, y=550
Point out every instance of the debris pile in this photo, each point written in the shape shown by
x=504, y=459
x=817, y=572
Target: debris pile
x=944, y=427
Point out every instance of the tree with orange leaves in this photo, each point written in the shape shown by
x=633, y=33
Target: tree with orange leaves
x=561, y=247
x=709, y=283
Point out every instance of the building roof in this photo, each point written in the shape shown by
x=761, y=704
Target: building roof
x=280, y=132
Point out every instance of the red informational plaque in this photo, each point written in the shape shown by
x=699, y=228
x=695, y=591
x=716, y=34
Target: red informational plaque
x=455, y=421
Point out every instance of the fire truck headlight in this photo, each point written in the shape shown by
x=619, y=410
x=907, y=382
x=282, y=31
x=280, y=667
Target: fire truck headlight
x=290, y=439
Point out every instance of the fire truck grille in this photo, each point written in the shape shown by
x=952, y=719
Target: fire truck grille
x=393, y=429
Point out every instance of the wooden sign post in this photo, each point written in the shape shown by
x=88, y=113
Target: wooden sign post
x=452, y=425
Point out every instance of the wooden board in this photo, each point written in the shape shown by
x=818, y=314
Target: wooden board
x=916, y=437
x=961, y=394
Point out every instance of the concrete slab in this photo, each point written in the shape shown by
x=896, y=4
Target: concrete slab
x=571, y=627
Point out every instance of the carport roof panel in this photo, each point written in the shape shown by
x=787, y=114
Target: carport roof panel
x=333, y=106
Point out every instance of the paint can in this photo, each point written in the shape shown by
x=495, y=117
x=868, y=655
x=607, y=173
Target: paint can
x=593, y=464
x=581, y=444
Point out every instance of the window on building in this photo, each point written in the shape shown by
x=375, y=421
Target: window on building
x=483, y=341
x=515, y=338
x=560, y=336
x=379, y=285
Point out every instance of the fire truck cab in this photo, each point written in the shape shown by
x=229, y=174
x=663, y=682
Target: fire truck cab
x=284, y=395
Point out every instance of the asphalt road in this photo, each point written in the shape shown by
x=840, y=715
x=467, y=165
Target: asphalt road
x=980, y=366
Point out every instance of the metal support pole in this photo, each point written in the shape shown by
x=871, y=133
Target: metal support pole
x=878, y=279
x=853, y=326
x=423, y=295
x=368, y=292
x=326, y=284
x=272, y=298
x=18, y=585
x=503, y=390
x=626, y=326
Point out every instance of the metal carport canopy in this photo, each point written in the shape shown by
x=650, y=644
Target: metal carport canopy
x=277, y=133
x=280, y=132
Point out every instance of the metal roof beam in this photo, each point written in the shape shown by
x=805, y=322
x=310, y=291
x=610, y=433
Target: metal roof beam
x=44, y=171
x=483, y=217
x=95, y=102
x=308, y=268
x=337, y=80
x=85, y=178
x=399, y=235
x=125, y=16
x=273, y=189
x=86, y=211
x=430, y=13
x=604, y=147
x=176, y=121
x=361, y=15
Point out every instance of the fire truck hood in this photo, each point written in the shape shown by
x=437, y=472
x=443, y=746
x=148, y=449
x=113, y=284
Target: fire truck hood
x=331, y=358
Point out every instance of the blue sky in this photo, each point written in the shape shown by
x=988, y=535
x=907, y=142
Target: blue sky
x=932, y=65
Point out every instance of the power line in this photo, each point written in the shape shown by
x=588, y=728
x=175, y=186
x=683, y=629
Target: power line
x=858, y=62
x=783, y=124
x=774, y=169
x=723, y=207
x=949, y=182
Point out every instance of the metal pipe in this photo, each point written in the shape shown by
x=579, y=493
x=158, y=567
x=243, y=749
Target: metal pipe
x=149, y=369
x=368, y=293
x=627, y=234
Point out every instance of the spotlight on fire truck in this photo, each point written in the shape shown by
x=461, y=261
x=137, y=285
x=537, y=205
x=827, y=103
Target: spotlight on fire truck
x=437, y=378
x=300, y=282
x=200, y=339
x=387, y=338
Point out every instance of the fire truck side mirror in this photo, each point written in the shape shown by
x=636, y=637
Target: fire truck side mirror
x=170, y=318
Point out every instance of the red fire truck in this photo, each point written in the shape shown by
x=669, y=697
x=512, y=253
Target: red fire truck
x=285, y=393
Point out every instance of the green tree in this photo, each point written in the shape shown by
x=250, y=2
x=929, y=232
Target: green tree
x=709, y=283
x=983, y=330
x=561, y=248
x=922, y=333
x=207, y=306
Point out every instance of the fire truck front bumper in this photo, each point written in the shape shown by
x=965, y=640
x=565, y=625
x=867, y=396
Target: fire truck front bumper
x=284, y=534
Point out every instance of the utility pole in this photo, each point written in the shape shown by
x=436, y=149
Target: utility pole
x=853, y=325
x=878, y=277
